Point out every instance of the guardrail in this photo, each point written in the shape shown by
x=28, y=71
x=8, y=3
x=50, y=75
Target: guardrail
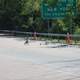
x=41, y=34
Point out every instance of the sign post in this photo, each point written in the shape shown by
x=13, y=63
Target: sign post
x=59, y=9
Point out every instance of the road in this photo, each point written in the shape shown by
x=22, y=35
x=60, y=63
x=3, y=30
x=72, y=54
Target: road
x=26, y=62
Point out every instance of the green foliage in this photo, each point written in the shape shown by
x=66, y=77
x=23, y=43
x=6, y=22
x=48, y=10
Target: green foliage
x=10, y=13
x=51, y=2
x=77, y=31
x=26, y=15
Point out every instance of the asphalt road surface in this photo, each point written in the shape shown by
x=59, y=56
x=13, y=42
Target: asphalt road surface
x=35, y=62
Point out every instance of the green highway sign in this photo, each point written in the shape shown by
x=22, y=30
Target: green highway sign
x=59, y=9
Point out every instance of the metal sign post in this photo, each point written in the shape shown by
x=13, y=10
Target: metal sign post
x=60, y=10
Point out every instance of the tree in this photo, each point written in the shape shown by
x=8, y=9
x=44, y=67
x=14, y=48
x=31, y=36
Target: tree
x=10, y=11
